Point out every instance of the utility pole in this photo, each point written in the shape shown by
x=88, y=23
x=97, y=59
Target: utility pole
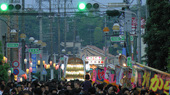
x=65, y=24
x=58, y=21
x=139, y=31
x=74, y=38
x=51, y=36
x=40, y=37
x=105, y=50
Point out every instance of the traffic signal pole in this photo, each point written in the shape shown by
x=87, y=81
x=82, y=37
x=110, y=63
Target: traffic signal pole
x=40, y=37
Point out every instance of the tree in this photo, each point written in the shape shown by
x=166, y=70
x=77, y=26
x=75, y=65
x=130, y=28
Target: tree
x=3, y=66
x=157, y=34
x=98, y=37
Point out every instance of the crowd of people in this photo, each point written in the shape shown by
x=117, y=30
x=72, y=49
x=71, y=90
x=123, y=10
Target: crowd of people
x=74, y=87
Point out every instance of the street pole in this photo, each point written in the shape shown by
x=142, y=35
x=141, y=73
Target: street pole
x=139, y=31
x=51, y=36
x=40, y=37
x=65, y=24
x=58, y=21
x=105, y=46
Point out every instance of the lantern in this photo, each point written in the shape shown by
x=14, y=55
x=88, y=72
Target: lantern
x=31, y=64
x=51, y=62
x=30, y=69
x=38, y=62
x=54, y=65
x=43, y=62
x=45, y=65
x=27, y=71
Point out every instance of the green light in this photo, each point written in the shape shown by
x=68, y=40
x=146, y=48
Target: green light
x=3, y=7
x=81, y=6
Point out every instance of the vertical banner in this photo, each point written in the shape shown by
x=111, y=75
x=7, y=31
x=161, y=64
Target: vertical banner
x=119, y=72
x=106, y=75
x=100, y=75
x=34, y=64
x=140, y=77
x=94, y=76
x=112, y=78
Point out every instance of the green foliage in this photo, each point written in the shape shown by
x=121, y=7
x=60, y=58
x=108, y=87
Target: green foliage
x=3, y=67
x=157, y=34
x=98, y=37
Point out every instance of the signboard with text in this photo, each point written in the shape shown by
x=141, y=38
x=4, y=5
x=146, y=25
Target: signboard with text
x=154, y=81
x=34, y=63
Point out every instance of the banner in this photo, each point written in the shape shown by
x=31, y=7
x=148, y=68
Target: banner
x=94, y=76
x=112, y=78
x=154, y=81
x=100, y=75
x=106, y=75
x=34, y=63
x=119, y=74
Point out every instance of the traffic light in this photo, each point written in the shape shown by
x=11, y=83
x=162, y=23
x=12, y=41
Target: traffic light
x=113, y=13
x=10, y=7
x=4, y=6
x=87, y=6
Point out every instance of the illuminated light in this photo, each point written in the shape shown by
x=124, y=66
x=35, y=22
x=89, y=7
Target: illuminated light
x=31, y=64
x=20, y=79
x=43, y=62
x=27, y=71
x=9, y=72
x=51, y=62
x=45, y=65
x=30, y=69
x=25, y=76
x=102, y=61
x=39, y=62
x=25, y=61
x=54, y=65
x=81, y=6
x=48, y=66
x=4, y=7
x=124, y=64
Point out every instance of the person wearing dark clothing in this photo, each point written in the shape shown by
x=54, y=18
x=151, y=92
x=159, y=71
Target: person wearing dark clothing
x=92, y=91
x=99, y=89
x=87, y=84
x=76, y=90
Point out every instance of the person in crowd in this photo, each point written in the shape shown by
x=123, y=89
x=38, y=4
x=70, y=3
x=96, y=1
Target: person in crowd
x=28, y=86
x=42, y=88
x=13, y=92
x=19, y=88
x=6, y=91
x=94, y=84
x=112, y=90
x=125, y=91
x=87, y=84
x=1, y=89
x=76, y=90
x=92, y=91
x=99, y=89
x=69, y=90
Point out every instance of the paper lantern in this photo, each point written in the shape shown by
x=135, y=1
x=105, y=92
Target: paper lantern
x=27, y=71
x=38, y=62
x=31, y=64
x=56, y=67
x=45, y=65
x=48, y=66
x=30, y=69
x=51, y=62
x=43, y=62
x=25, y=76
